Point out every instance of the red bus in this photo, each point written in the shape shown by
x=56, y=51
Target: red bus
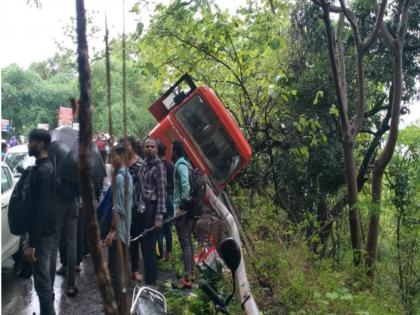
x=212, y=139
x=214, y=144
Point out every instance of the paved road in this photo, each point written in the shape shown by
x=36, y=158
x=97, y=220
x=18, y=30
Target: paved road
x=18, y=296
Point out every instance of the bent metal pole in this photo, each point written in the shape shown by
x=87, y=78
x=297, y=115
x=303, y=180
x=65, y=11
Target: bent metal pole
x=247, y=300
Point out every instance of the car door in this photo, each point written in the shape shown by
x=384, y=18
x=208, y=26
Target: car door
x=9, y=242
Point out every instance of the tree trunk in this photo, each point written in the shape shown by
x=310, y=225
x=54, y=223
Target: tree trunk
x=381, y=163
x=395, y=44
x=338, y=71
x=85, y=145
x=354, y=213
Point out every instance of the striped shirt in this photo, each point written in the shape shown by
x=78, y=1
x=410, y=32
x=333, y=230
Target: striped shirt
x=153, y=183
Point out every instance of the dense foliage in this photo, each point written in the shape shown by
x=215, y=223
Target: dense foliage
x=268, y=63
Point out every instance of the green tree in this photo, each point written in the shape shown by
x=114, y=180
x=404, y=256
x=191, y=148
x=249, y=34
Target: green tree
x=28, y=99
x=403, y=177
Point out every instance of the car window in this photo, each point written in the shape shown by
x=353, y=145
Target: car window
x=6, y=180
x=14, y=159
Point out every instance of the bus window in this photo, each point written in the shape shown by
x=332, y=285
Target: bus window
x=210, y=138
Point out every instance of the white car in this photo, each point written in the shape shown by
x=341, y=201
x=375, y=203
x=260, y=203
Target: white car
x=9, y=242
x=18, y=156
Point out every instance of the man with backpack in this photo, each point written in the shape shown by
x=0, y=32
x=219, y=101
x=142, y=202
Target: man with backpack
x=134, y=164
x=181, y=202
x=42, y=229
x=119, y=231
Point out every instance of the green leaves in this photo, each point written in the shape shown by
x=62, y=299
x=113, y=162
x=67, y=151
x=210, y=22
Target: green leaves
x=331, y=295
x=334, y=111
x=275, y=44
x=302, y=152
x=319, y=94
x=29, y=99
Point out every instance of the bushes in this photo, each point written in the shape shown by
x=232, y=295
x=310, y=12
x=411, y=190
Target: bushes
x=288, y=278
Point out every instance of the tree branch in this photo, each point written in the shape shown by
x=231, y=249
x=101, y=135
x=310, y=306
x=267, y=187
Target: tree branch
x=341, y=105
x=341, y=67
x=379, y=18
x=388, y=151
x=215, y=58
x=351, y=18
x=369, y=155
x=389, y=40
x=402, y=27
x=375, y=110
x=332, y=8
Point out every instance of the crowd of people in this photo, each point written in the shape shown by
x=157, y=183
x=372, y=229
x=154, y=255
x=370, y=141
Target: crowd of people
x=13, y=141
x=157, y=190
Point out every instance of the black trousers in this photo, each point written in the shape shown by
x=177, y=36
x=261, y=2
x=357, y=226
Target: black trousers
x=148, y=243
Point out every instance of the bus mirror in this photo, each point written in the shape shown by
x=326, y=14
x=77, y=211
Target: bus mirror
x=230, y=253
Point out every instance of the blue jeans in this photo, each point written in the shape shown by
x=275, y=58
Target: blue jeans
x=167, y=228
x=43, y=272
x=148, y=243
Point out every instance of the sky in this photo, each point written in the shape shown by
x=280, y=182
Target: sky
x=28, y=34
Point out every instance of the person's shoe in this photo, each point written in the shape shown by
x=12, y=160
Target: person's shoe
x=72, y=291
x=137, y=276
x=182, y=283
x=78, y=269
x=62, y=271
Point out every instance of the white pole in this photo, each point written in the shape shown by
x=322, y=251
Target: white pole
x=247, y=300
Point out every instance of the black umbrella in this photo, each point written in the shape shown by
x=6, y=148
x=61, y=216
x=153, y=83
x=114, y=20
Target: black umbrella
x=64, y=152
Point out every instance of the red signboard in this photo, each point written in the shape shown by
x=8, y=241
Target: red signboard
x=65, y=116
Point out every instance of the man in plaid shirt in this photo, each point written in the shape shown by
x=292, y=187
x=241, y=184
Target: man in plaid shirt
x=153, y=183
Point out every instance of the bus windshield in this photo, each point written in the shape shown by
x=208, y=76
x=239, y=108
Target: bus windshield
x=210, y=138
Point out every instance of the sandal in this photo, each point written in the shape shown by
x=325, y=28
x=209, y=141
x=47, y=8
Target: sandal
x=182, y=283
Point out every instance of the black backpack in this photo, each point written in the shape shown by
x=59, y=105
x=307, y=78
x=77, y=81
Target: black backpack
x=104, y=213
x=197, y=191
x=68, y=188
x=169, y=167
x=104, y=210
x=21, y=215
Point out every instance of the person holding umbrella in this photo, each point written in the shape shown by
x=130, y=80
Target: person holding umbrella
x=67, y=213
x=64, y=154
